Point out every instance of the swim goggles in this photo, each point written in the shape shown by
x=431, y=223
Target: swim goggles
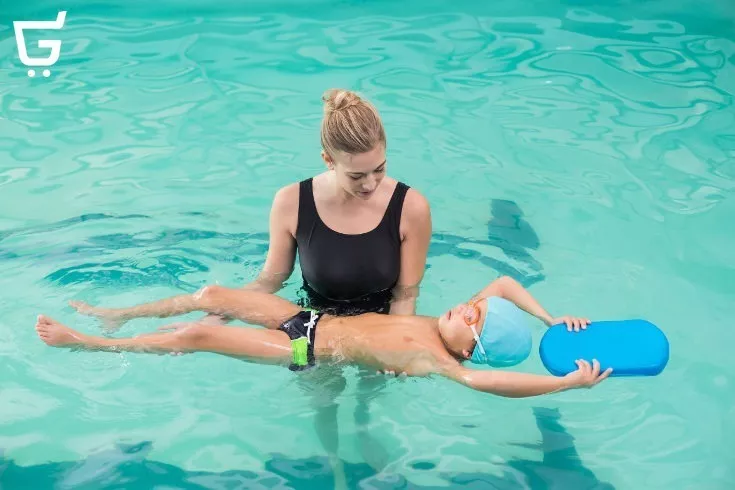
x=471, y=320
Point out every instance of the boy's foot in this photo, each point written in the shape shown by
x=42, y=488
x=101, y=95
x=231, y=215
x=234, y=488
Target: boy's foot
x=111, y=318
x=55, y=334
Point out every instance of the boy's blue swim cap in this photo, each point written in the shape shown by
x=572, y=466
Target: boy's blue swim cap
x=505, y=335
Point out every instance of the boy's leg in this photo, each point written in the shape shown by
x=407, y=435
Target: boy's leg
x=254, y=307
x=258, y=345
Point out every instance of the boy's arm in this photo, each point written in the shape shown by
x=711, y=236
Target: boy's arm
x=521, y=385
x=508, y=288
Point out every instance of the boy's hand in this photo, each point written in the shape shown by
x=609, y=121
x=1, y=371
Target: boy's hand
x=586, y=376
x=572, y=322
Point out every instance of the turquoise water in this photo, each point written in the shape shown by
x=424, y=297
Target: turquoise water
x=586, y=148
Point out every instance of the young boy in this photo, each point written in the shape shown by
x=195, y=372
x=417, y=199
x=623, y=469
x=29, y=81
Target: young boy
x=489, y=329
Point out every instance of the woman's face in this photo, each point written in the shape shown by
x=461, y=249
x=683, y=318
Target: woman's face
x=361, y=173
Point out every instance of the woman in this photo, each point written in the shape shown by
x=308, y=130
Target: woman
x=362, y=239
x=361, y=236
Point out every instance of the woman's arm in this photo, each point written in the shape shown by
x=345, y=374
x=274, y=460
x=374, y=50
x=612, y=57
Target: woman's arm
x=521, y=385
x=279, y=262
x=416, y=233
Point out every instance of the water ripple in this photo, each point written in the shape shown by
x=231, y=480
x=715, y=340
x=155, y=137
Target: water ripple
x=144, y=166
x=619, y=82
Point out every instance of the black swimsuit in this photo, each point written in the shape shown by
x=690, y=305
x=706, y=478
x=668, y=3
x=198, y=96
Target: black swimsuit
x=348, y=274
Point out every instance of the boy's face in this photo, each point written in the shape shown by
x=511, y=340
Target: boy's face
x=455, y=327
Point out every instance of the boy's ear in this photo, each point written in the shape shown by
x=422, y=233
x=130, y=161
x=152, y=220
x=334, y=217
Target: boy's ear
x=467, y=354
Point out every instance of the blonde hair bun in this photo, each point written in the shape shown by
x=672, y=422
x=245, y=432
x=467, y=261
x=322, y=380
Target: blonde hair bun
x=351, y=124
x=338, y=99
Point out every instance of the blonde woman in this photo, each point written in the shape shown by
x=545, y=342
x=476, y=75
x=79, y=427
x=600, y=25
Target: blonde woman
x=362, y=237
x=362, y=240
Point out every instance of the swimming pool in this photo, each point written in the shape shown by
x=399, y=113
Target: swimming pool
x=585, y=148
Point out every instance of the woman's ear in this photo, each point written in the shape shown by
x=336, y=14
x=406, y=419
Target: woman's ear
x=328, y=160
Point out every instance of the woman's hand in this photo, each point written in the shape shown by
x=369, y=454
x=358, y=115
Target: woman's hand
x=572, y=322
x=180, y=327
x=393, y=373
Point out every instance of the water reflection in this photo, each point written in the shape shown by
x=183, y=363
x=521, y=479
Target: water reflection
x=558, y=466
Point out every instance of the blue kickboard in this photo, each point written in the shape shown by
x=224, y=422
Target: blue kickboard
x=630, y=347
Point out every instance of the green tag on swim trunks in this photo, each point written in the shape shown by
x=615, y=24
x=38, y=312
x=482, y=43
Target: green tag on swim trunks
x=299, y=349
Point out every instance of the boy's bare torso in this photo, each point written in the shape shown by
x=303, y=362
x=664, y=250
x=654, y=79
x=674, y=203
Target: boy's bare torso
x=404, y=344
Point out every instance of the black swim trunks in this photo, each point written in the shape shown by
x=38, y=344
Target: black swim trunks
x=301, y=329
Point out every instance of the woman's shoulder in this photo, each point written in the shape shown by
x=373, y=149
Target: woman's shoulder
x=285, y=204
x=288, y=194
x=416, y=207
